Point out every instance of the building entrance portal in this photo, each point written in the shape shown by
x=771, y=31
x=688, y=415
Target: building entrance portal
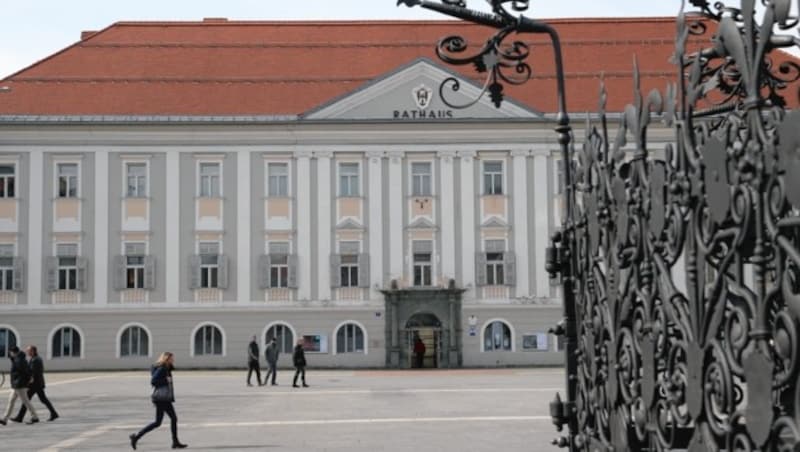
x=423, y=337
x=423, y=328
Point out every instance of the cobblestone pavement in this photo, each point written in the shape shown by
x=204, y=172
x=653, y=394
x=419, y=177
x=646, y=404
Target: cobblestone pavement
x=371, y=410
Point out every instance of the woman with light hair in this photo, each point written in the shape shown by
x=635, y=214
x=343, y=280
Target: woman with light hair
x=163, y=396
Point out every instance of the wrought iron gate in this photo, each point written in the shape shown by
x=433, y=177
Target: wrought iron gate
x=681, y=268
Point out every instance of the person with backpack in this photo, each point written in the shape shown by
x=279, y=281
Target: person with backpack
x=163, y=396
x=20, y=380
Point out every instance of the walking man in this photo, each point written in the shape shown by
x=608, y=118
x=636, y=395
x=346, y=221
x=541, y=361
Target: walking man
x=37, y=384
x=252, y=362
x=20, y=379
x=299, y=359
x=272, y=352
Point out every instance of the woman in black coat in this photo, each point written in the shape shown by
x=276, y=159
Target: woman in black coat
x=299, y=359
x=163, y=397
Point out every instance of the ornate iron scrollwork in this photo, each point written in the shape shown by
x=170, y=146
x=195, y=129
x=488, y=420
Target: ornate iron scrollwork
x=681, y=266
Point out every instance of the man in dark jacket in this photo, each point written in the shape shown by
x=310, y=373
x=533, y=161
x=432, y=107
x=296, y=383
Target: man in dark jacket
x=20, y=379
x=37, y=384
x=299, y=359
x=272, y=352
x=252, y=361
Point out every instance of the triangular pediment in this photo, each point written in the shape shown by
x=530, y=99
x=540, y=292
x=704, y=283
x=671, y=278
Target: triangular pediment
x=350, y=225
x=422, y=223
x=412, y=93
x=494, y=222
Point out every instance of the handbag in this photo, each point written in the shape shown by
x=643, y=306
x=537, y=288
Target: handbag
x=162, y=394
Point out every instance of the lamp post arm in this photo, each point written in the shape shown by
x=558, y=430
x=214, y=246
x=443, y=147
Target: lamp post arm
x=478, y=17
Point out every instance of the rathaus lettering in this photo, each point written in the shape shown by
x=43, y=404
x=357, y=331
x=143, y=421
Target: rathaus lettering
x=422, y=114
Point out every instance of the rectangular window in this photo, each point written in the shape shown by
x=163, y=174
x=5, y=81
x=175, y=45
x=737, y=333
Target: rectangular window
x=7, y=181
x=492, y=178
x=278, y=179
x=136, y=174
x=494, y=269
x=423, y=270
x=67, y=180
x=279, y=265
x=209, y=265
x=209, y=180
x=348, y=180
x=421, y=179
x=134, y=265
x=349, y=270
x=6, y=267
x=67, y=254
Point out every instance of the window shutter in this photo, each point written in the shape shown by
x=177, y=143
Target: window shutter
x=18, y=285
x=480, y=270
x=510, y=264
x=336, y=272
x=51, y=268
x=222, y=275
x=363, y=270
x=149, y=272
x=83, y=274
x=194, y=272
x=292, y=271
x=264, y=262
x=119, y=273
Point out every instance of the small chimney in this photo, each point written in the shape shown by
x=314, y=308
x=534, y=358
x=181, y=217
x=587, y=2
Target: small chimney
x=87, y=34
x=215, y=20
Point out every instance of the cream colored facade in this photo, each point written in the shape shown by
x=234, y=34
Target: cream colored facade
x=198, y=233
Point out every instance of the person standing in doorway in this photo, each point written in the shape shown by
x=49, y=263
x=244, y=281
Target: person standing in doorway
x=419, y=352
x=163, y=397
x=252, y=362
x=271, y=352
x=37, y=385
x=20, y=380
x=299, y=359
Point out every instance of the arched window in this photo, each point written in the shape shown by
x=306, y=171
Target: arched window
x=8, y=339
x=208, y=341
x=497, y=337
x=134, y=342
x=66, y=343
x=283, y=334
x=350, y=339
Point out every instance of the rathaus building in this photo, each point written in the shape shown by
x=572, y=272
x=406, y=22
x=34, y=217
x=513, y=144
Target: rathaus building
x=184, y=186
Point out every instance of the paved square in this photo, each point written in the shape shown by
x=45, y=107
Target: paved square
x=371, y=410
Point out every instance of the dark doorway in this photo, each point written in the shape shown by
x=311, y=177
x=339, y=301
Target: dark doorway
x=423, y=334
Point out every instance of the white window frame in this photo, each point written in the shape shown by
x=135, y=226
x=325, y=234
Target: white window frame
x=280, y=268
x=66, y=268
x=5, y=178
x=358, y=176
x=16, y=335
x=286, y=326
x=495, y=269
x=209, y=267
x=138, y=268
x=126, y=164
x=222, y=333
x=512, y=336
x=7, y=271
x=268, y=178
x=57, y=179
x=423, y=265
x=149, y=340
x=336, y=338
x=413, y=177
x=58, y=329
x=219, y=176
x=502, y=174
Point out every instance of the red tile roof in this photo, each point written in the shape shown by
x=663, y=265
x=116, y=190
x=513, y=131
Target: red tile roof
x=287, y=68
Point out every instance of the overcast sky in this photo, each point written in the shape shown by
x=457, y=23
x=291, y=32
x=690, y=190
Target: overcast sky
x=33, y=29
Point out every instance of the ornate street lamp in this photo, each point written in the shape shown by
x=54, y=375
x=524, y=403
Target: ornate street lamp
x=505, y=62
